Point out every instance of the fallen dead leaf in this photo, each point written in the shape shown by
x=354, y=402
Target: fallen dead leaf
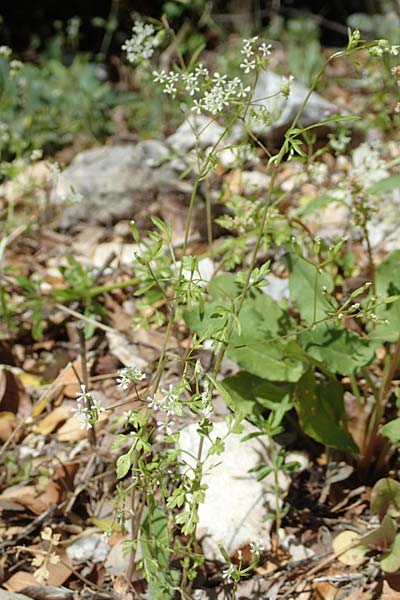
x=19, y=581
x=53, y=419
x=351, y=556
x=63, y=383
x=8, y=423
x=30, y=497
x=391, y=588
x=13, y=397
x=72, y=430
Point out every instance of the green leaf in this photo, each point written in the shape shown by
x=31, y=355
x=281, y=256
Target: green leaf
x=124, y=463
x=382, y=537
x=305, y=285
x=261, y=319
x=321, y=412
x=391, y=430
x=316, y=204
x=385, y=185
x=252, y=394
x=155, y=546
x=390, y=562
x=339, y=349
x=385, y=498
x=388, y=285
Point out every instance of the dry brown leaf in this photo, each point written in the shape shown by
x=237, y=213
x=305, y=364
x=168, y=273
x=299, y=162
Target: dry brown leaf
x=63, y=383
x=8, y=422
x=391, y=588
x=19, y=581
x=352, y=556
x=325, y=591
x=72, y=430
x=13, y=397
x=53, y=419
x=30, y=497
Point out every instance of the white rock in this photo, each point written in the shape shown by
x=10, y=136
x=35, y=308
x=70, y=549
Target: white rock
x=202, y=131
x=284, y=109
x=276, y=287
x=125, y=254
x=236, y=503
x=117, y=182
x=91, y=548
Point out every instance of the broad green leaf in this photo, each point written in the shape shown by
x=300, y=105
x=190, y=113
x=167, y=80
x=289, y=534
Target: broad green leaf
x=383, y=537
x=339, y=349
x=252, y=394
x=385, y=185
x=390, y=562
x=274, y=361
x=321, y=412
x=261, y=322
x=316, y=204
x=305, y=284
x=391, y=430
x=387, y=285
x=385, y=498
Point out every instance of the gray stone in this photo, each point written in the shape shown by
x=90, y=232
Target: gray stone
x=236, y=503
x=202, y=131
x=118, y=182
x=4, y=595
x=284, y=109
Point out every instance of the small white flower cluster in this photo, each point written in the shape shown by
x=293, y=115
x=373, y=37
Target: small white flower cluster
x=207, y=407
x=170, y=403
x=218, y=90
x=127, y=376
x=72, y=198
x=383, y=47
x=255, y=549
x=88, y=409
x=254, y=55
x=5, y=51
x=36, y=154
x=228, y=571
x=55, y=171
x=140, y=47
x=16, y=67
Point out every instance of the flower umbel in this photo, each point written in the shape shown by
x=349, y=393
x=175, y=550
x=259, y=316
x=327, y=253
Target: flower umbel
x=127, y=376
x=140, y=47
x=88, y=409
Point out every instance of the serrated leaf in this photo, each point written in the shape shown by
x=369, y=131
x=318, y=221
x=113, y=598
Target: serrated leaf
x=387, y=285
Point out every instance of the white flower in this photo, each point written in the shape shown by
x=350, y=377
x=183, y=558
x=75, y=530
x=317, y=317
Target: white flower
x=127, y=376
x=170, y=89
x=265, y=49
x=228, y=572
x=88, y=409
x=141, y=45
x=248, y=65
x=201, y=70
x=36, y=154
x=255, y=549
x=5, y=51
x=159, y=76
